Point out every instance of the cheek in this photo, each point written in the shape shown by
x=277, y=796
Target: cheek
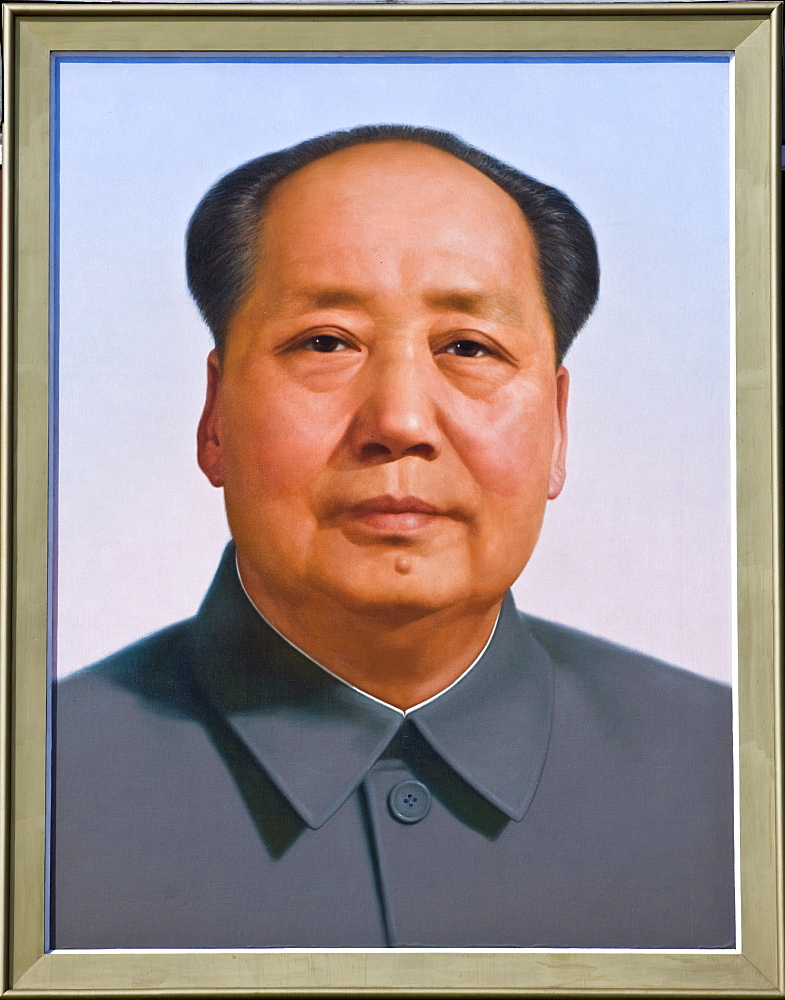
x=276, y=445
x=507, y=445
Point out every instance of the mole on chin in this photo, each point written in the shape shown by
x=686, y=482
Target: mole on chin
x=403, y=565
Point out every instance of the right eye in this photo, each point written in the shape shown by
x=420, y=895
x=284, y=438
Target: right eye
x=325, y=343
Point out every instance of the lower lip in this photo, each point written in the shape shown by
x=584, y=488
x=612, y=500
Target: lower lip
x=384, y=523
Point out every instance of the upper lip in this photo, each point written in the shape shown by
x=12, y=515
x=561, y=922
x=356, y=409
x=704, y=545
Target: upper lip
x=388, y=504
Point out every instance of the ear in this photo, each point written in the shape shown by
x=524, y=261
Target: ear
x=559, y=454
x=210, y=432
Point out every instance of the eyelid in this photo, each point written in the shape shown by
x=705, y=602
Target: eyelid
x=298, y=342
x=344, y=346
x=483, y=340
x=469, y=337
x=467, y=340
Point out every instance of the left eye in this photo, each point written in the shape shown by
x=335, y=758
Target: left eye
x=325, y=343
x=467, y=349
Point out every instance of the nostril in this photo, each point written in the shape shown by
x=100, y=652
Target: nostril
x=375, y=450
x=426, y=451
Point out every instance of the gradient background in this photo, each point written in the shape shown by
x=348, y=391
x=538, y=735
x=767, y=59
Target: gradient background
x=639, y=546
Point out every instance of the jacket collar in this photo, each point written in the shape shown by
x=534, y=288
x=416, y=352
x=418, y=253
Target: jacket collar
x=316, y=737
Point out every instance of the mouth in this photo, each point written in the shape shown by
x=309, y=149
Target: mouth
x=390, y=515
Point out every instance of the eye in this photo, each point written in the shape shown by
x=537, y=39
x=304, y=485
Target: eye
x=466, y=349
x=325, y=343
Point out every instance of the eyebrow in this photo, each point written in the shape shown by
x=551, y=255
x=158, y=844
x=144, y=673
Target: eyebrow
x=483, y=305
x=326, y=298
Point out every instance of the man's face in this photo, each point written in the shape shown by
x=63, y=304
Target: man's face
x=387, y=419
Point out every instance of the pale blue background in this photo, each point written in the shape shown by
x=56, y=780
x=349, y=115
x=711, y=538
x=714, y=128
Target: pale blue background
x=637, y=548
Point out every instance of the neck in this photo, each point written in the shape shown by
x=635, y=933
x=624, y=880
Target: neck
x=402, y=663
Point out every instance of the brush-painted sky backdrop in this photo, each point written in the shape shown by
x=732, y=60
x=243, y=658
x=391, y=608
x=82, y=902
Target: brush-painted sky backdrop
x=639, y=546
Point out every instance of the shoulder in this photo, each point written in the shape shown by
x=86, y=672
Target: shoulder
x=600, y=661
x=150, y=674
x=131, y=721
x=623, y=690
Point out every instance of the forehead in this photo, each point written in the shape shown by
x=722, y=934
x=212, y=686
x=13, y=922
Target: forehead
x=399, y=232
x=395, y=163
x=395, y=195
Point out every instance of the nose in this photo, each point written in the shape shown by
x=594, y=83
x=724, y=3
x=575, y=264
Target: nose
x=398, y=415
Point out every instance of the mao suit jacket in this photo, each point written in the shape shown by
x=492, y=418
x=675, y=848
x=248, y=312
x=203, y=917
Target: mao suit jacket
x=215, y=788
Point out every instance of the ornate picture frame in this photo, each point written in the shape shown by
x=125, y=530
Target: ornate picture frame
x=32, y=35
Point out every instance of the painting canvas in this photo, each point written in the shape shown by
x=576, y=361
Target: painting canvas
x=278, y=824
x=638, y=546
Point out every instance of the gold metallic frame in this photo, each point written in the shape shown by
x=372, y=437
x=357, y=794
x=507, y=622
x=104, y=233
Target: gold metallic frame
x=31, y=32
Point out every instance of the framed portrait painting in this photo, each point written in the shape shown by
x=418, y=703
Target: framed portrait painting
x=391, y=536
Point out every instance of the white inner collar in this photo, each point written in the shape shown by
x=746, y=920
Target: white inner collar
x=365, y=694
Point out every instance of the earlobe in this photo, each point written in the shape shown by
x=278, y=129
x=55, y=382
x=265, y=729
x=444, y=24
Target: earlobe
x=559, y=454
x=209, y=433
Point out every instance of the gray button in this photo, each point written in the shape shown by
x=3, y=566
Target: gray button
x=409, y=801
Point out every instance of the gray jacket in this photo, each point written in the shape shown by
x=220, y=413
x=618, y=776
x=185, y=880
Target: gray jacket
x=214, y=788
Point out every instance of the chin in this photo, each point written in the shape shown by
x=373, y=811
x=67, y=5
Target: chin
x=394, y=609
x=394, y=596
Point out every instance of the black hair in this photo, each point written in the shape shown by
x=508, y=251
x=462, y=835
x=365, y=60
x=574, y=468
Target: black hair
x=223, y=234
